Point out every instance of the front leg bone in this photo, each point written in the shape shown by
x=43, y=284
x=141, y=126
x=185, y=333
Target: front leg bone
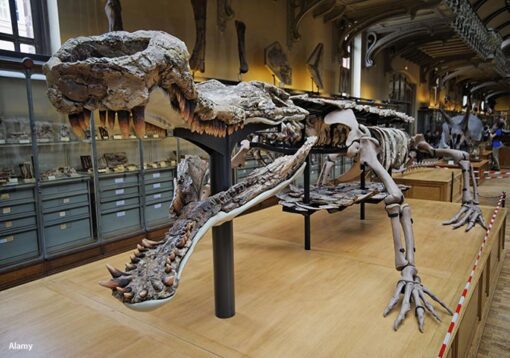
x=410, y=283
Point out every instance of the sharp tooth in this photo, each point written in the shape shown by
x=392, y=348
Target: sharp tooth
x=114, y=271
x=123, y=118
x=168, y=268
x=102, y=118
x=130, y=266
x=109, y=284
x=139, y=121
x=158, y=286
x=139, y=254
x=74, y=120
x=111, y=120
x=134, y=259
x=172, y=256
x=150, y=243
x=140, y=248
x=85, y=119
x=128, y=295
x=168, y=280
x=143, y=293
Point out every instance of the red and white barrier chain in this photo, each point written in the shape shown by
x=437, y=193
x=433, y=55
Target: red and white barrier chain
x=471, y=275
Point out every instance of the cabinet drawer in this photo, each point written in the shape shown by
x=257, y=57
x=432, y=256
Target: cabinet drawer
x=7, y=211
x=159, y=176
x=65, y=215
x=157, y=212
x=65, y=235
x=65, y=202
x=117, y=182
x=158, y=187
x=120, y=222
x=17, y=223
x=159, y=197
x=120, y=204
x=18, y=246
x=12, y=196
x=61, y=190
x=119, y=194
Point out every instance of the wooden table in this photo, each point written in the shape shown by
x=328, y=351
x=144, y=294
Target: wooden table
x=290, y=302
x=432, y=184
x=504, y=157
x=479, y=168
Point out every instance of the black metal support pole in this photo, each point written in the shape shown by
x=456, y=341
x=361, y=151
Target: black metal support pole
x=306, y=200
x=223, y=242
x=220, y=168
x=362, y=185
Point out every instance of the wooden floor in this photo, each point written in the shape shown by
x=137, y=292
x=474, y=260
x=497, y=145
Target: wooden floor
x=290, y=303
x=495, y=341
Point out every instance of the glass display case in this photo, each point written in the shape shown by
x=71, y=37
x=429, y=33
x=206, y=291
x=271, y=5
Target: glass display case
x=61, y=194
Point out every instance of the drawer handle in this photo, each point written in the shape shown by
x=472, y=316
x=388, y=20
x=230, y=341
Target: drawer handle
x=121, y=214
x=156, y=186
x=119, y=191
x=62, y=214
x=8, y=224
x=119, y=180
x=6, y=210
x=156, y=175
x=5, y=196
x=7, y=239
x=157, y=196
x=65, y=226
x=157, y=206
x=120, y=203
x=66, y=200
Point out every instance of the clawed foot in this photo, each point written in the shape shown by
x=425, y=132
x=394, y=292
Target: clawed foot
x=414, y=292
x=470, y=214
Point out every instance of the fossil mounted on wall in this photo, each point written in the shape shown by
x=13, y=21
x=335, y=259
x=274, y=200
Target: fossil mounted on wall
x=314, y=63
x=241, y=46
x=224, y=13
x=197, y=60
x=114, y=14
x=277, y=62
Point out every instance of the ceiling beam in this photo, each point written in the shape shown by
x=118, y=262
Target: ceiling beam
x=503, y=25
x=494, y=15
x=479, y=4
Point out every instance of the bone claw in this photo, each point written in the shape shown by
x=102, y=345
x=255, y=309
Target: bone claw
x=139, y=121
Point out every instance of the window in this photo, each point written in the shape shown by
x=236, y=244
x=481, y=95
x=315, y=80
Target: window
x=23, y=26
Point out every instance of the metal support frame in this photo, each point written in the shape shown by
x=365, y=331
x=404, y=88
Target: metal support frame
x=362, y=187
x=28, y=64
x=306, y=200
x=220, y=170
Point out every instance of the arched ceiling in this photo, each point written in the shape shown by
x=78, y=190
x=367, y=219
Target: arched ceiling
x=465, y=40
x=494, y=14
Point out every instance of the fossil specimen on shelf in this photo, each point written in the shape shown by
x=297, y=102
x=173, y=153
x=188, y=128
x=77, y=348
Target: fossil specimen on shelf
x=197, y=60
x=152, y=276
x=121, y=69
x=115, y=159
x=314, y=62
x=241, y=46
x=276, y=61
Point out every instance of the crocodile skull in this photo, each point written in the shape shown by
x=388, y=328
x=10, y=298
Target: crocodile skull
x=117, y=71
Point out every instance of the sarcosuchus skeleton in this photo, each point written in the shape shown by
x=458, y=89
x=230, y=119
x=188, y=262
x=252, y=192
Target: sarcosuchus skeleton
x=116, y=72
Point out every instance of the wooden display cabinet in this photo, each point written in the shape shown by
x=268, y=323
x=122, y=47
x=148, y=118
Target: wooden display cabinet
x=432, y=184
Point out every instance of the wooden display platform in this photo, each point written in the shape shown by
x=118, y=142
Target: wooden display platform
x=290, y=302
x=504, y=157
x=479, y=168
x=432, y=184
